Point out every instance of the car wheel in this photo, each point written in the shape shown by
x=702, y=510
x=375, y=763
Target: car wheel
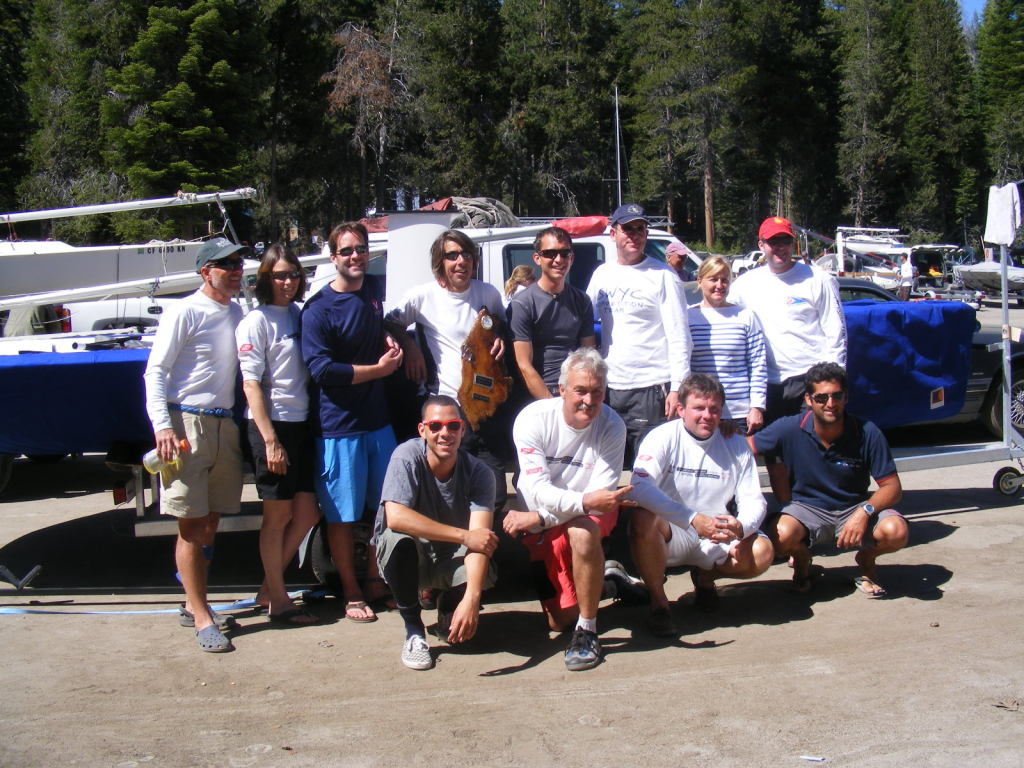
x=1007, y=481
x=992, y=410
x=320, y=555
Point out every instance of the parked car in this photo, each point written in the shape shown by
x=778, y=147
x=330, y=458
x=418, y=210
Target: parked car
x=983, y=403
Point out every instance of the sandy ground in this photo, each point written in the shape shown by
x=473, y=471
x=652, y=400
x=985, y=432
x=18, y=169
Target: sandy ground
x=933, y=676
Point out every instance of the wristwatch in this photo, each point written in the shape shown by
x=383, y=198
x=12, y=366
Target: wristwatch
x=870, y=510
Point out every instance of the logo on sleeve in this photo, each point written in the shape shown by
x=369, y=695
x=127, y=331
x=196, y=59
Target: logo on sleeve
x=528, y=449
x=534, y=470
x=245, y=348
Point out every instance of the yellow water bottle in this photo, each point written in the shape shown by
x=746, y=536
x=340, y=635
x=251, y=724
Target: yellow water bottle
x=153, y=463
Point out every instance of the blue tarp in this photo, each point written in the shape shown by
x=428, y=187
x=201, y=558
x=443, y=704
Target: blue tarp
x=908, y=361
x=73, y=402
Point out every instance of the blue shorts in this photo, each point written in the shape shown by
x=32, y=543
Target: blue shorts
x=350, y=473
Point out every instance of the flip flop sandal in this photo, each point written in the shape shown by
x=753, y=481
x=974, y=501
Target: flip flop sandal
x=295, y=617
x=358, y=605
x=864, y=584
x=211, y=640
x=223, y=621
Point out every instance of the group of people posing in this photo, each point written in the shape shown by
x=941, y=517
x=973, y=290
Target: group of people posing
x=683, y=397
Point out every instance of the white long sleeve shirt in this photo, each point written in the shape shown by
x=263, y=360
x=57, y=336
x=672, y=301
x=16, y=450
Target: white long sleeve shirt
x=800, y=314
x=644, y=336
x=193, y=360
x=558, y=465
x=677, y=476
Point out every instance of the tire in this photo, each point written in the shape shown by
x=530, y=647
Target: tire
x=992, y=410
x=6, y=467
x=1005, y=481
x=320, y=555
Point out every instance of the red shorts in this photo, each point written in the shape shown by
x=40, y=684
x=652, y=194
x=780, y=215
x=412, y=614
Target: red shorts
x=551, y=547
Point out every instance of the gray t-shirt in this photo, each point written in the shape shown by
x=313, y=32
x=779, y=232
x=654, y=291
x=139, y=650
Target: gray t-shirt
x=553, y=324
x=410, y=482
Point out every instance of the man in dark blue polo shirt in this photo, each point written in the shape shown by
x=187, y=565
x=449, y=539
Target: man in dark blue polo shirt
x=831, y=457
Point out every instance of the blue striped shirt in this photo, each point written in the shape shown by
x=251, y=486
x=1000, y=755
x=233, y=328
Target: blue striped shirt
x=728, y=344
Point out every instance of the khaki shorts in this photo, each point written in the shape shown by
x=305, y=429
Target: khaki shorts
x=210, y=477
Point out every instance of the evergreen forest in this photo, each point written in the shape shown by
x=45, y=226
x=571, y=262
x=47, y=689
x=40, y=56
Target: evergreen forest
x=895, y=113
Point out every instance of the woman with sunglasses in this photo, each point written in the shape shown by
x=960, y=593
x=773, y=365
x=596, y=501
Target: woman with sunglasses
x=728, y=344
x=274, y=379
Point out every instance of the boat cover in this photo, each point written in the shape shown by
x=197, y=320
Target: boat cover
x=908, y=361
x=73, y=402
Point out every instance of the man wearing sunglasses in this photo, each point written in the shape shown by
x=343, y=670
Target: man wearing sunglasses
x=831, y=457
x=349, y=355
x=433, y=530
x=570, y=457
x=190, y=391
x=550, y=318
x=799, y=309
x=644, y=334
x=444, y=311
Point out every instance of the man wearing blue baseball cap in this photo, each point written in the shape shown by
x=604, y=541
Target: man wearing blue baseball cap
x=644, y=335
x=190, y=391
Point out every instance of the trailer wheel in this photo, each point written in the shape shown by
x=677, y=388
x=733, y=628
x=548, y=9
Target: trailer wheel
x=320, y=555
x=6, y=467
x=1007, y=481
x=992, y=409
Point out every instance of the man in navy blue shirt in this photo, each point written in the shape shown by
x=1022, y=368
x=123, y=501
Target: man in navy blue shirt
x=831, y=457
x=348, y=355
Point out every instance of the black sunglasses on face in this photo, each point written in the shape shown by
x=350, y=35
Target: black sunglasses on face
x=453, y=255
x=554, y=253
x=346, y=252
x=822, y=397
x=282, y=276
x=230, y=265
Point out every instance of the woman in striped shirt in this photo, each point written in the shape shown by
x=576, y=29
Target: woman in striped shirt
x=728, y=344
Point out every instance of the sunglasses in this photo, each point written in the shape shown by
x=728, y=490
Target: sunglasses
x=823, y=397
x=454, y=255
x=230, y=265
x=282, y=276
x=779, y=242
x=435, y=426
x=554, y=253
x=346, y=252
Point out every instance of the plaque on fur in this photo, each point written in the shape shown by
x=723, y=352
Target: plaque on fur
x=484, y=383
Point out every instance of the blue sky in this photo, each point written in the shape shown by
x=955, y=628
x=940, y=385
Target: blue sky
x=970, y=7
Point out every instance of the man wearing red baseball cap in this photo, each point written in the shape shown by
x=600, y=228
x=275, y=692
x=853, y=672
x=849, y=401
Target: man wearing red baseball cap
x=799, y=310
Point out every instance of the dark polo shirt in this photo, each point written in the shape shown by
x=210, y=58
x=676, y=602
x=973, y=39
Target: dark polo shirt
x=832, y=478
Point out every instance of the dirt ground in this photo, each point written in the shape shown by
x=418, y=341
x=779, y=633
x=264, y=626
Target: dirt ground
x=98, y=672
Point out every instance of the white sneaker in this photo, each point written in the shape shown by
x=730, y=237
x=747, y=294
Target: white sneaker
x=416, y=653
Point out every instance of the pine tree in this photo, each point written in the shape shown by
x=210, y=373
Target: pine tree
x=1001, y=87
x=181, y=113
x=14, y=120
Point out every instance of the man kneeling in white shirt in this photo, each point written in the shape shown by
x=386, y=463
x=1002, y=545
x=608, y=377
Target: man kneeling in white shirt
x=570, y=451
x=686, y=473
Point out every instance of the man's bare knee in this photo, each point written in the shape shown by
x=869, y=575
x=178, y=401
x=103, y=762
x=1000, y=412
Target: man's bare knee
x=584, y=536
x=891, y=533
x=197, y=531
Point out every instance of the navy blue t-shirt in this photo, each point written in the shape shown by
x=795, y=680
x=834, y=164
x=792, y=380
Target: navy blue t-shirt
x=832, y=478
x=340, y=330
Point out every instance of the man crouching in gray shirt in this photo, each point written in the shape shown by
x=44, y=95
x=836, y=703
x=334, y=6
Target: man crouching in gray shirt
x=434, y=529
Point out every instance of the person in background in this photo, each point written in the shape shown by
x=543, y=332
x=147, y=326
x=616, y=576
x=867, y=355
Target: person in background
x=275, y=381
x=728, y=344
x=522, y=277
x=675, y=257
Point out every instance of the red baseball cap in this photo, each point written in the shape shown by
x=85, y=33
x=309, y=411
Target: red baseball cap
x=775, y=225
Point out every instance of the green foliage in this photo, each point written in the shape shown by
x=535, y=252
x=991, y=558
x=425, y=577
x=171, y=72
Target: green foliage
x=180, y=113
x=14, y=125
x=1001, y=85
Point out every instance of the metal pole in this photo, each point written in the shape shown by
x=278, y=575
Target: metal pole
x=618, y=141
x=1004, y=258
